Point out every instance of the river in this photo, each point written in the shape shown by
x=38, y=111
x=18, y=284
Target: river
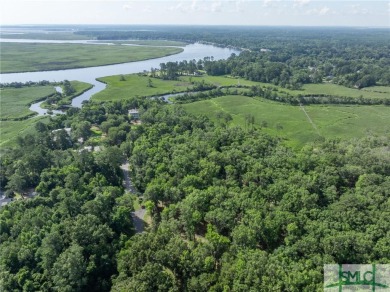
x=193, y=51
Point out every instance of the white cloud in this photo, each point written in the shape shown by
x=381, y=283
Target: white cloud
x=324, y=10
x=148, y=9
x=186, y=6
x=267, y=3
x=194, y=5
x=216, y=6
x=238, y=6
x=357, y=9
x=300, y=3
x=178, y=7
x=127, y=7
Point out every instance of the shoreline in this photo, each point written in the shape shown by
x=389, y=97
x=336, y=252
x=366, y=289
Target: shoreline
x=83, y=67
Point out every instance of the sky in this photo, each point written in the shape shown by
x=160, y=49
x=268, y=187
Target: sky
x=198, y=12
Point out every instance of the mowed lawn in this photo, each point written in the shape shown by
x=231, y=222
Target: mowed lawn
x=23, y=57
x=15, y=102
x=290, y=122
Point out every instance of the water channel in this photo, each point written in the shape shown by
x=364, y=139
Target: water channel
x=191, y=52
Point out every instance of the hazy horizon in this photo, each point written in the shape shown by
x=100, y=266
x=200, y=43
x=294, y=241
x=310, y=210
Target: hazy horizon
x=296, y=13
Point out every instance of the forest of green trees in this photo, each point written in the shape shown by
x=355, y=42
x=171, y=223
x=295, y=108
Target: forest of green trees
x=287, y=57
x=232, y=208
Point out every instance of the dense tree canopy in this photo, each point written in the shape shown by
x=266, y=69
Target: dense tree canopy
x=233, y=209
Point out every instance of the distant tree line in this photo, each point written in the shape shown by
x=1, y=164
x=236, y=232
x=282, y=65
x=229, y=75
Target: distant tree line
x=23, y=84
x=286, y=57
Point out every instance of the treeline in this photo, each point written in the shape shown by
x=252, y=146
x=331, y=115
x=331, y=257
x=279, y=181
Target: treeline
x=233, y=209
x=28, y=83
x=272, y=93
x=171, y=70
x=287, y=57
x=292, y=71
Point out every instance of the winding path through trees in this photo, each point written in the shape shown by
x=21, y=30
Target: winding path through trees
x=138, y=215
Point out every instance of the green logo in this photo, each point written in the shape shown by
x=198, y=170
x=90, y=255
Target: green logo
x=357, y=277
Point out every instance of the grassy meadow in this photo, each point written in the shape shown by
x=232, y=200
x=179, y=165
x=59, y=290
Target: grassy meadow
x=9, y=130
x=134, y=85
x=339, y=90
x=381, y=89
x=26, y=57
x=137, y=85
x=290, y=122
x=15, y=102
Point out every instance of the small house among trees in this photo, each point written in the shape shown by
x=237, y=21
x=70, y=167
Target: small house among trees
x=134, y=114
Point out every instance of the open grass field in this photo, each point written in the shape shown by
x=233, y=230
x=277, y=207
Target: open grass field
x=382, y=89
x=14, y=102
x=25, y=57
x=9, y=130
x=137, y=85
x=290, y=122
x=338, y=90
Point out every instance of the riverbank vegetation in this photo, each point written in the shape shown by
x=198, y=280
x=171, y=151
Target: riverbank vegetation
x=22, y=57
x=70, y=90
x=16, y=99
